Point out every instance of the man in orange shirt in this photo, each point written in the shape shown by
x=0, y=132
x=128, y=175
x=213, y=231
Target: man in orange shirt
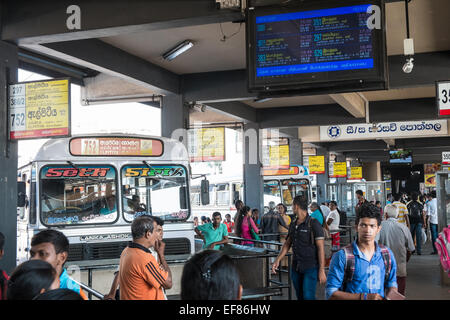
x=141, y=277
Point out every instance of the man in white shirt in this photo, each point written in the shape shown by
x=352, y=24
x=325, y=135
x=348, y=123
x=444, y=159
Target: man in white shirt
x=397, y=237
x=432, y=218
x=333, y=221
x=325, y=209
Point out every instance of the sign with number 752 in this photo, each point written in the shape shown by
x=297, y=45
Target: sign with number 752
x=443, y=97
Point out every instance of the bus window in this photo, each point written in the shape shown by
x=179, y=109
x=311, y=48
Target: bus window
x=223, y=194
x=154, y=191
x=292, y=188
x=271, y=192
x=67, y=201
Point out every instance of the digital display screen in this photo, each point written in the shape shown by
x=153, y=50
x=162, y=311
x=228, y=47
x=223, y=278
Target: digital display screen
x=314, y=41
x=400, y=156
x=306, y=45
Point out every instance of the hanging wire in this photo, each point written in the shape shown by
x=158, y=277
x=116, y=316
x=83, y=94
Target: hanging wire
x=225, y=37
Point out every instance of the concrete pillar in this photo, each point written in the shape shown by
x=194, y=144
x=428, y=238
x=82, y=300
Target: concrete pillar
x=372, y=171
x=295, y=145
x=322, y=179
x=174, y=118
x=8, y=160
x=253, y=180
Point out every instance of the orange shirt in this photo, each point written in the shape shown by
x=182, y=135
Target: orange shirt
x=140, y=276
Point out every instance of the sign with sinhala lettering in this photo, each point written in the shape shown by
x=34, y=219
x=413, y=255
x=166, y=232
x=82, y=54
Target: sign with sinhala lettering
x=39, y=109
x=390, y=130
x=316, y=164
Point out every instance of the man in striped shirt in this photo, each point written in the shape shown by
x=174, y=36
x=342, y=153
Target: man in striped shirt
x=141, y=277
x=402, y=210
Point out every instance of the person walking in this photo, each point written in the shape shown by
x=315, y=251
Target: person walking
x=432, y=218
x=324, y=207
x=397, y=237
x=245, y=225
x=306, y=239
x=361, y=201
x=363, y=270
x=333, y=222
x=417, y=220
x=141, y=277
x=213, y=233
x=282, y=211
x=402, y=210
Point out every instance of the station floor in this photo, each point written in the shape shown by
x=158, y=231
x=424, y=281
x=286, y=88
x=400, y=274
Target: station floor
x=423, y=280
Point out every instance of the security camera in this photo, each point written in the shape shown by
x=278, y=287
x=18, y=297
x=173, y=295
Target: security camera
x=408, y=66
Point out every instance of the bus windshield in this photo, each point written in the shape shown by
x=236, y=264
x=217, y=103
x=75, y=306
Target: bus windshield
x=272, y=192
x=81, y=194
x=292, y=188
x=157, y=190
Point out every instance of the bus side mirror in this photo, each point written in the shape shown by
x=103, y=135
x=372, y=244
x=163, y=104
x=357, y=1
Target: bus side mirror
x=21, y=194
x=183, y=202
x=204, y=192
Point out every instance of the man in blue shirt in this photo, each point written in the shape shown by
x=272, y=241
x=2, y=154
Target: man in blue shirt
x=368, y=281
x=53, y=247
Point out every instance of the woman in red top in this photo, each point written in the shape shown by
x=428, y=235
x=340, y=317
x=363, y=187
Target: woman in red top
x=243, y=225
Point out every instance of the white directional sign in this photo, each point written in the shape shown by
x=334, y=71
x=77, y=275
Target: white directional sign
x=446, y=157
x=443, y=96
x=384, y=130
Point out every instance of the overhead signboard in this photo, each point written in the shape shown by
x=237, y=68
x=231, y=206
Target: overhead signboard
x=39, y=109
x=279, y=157
x=443, y=97
x=115, y=146
x=316, y=164
x=355, y=173
x=337, y=170
x=388, y=130
x=206, y=144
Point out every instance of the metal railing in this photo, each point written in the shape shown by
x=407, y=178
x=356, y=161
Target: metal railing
x=279, y=284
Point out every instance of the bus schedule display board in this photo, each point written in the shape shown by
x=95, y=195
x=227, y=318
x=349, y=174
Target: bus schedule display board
x=39, y=109
x=316, y=47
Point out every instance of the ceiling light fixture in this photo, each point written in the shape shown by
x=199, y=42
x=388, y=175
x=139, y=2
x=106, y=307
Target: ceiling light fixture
x=178, y=49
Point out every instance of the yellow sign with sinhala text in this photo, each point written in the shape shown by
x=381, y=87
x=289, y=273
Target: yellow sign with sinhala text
x=355, y=173
x=316, y=164
x=39, y=109
x=339, y=170
x=279, y=156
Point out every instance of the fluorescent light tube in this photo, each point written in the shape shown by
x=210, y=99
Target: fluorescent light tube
x=178, y=49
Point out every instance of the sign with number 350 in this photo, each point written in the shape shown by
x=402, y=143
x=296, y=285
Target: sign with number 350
x=443, y=97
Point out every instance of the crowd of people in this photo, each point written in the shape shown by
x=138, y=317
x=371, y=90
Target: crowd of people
x=372, y=267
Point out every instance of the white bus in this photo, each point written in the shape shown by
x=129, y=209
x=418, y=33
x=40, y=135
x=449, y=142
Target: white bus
x=92, y=187
x=280, y=186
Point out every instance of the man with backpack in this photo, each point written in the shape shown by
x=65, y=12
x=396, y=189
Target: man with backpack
x=416, y=220
x=306, y=238
x=363, y=270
